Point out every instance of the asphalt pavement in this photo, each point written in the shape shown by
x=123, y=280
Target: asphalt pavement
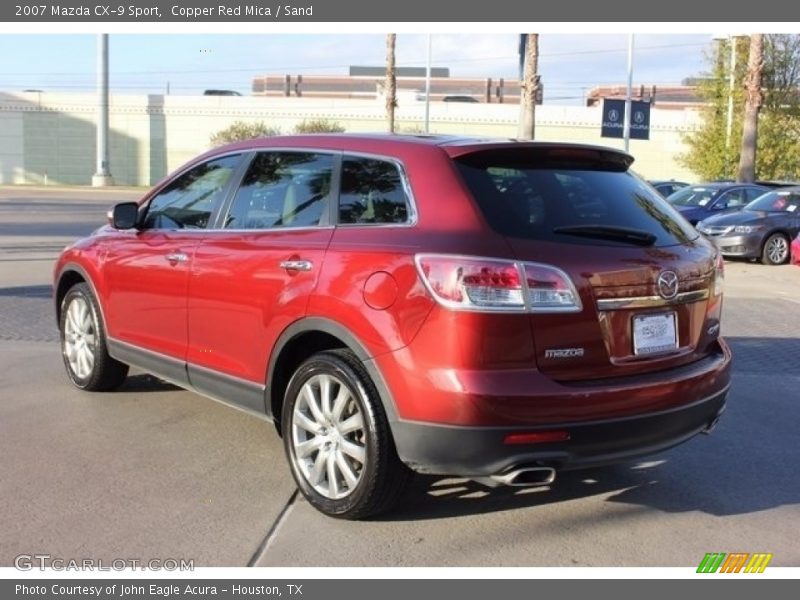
x=152, y=471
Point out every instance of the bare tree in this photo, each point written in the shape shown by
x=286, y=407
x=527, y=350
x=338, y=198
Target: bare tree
x=753, y=101
x=530, y=86
x=390, y=85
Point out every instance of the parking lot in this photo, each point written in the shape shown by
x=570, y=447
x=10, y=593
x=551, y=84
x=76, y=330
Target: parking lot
x=152, y=471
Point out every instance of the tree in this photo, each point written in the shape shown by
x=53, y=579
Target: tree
x=390, y=86
x=530, y=85
x=755, y=66
x=778, y=142
x=318, y=126
x=242, y=130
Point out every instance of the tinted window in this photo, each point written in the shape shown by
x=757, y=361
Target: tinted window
x=189, y=201
x=371, y=192
x=753, y=193
x=532, y=202
x=283, y=189
x=788, y=201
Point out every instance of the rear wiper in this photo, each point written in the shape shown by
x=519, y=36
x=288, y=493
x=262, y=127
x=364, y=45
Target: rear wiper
x=609, y=232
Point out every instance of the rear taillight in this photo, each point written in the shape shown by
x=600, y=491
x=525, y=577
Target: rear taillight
x=488, y=284
x=719, y=275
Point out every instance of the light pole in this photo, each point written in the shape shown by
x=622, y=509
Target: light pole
x=428, y=88
x=731, y=39
x=103, y=175
x=627, y=120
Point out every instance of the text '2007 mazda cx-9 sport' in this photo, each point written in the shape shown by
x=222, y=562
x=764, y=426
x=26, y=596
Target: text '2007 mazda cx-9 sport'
x=492, y=310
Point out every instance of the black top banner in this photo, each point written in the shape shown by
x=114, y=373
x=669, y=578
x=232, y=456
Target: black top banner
x=320, y=11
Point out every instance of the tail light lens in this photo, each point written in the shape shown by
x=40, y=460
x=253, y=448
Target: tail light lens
x=488, y=284
x=719, y=275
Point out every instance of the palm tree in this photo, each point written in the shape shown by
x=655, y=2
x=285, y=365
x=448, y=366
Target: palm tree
x=754, y=99
x=390, y=86
x=530, y=85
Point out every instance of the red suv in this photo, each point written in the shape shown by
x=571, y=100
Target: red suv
x=496, y=310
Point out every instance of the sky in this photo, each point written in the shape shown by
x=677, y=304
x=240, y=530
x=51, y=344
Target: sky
x=189, y=63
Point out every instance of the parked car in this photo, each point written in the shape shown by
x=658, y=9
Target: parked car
x=666, y=188
x=763, y=229
x=796, y=251
x=698, y=202
x=492, y=310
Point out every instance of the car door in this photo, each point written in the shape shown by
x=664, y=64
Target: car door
x=147, y=269
x=252, y=275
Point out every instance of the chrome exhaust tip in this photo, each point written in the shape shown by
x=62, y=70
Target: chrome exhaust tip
x=526, y=477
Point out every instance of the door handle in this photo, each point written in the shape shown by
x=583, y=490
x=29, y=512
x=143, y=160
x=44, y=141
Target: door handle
x=297, y=265
x=177, y=257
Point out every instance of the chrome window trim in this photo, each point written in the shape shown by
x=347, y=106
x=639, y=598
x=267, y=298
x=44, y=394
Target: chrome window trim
x=651, y=301
x=269, y=230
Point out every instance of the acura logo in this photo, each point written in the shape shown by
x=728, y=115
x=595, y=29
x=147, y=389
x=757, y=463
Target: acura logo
x=667, y=284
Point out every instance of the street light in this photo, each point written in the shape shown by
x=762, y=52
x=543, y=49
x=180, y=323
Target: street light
x=731, y=38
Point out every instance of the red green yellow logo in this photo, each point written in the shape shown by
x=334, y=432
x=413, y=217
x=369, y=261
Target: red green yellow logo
x=735, y=562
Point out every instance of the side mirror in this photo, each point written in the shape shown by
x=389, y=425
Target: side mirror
x=124, y=215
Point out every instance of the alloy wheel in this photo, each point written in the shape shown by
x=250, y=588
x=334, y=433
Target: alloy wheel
x=328, y=436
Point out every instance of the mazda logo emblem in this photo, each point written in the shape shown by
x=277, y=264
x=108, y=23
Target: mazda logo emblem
x=667, y=285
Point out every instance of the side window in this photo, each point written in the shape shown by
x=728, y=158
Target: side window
x=753, y=193
x=189, y=201
x=371, y=192
x=732, y=199
x=283, y=189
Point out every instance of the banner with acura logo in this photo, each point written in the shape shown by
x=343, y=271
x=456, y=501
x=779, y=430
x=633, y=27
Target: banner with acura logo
x=613, y=124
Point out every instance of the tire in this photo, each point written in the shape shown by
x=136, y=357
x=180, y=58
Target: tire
x=83, y=343
x=337, y=439
x=775, y=250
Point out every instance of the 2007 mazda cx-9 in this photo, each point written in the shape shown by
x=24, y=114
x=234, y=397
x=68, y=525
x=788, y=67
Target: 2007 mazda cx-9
x=496, y=310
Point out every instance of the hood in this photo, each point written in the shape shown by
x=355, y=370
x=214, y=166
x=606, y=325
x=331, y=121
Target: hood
x=739, y=217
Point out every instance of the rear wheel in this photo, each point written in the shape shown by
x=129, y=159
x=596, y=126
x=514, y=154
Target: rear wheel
x=337, y=438
x=83, y=343
x=776, y=250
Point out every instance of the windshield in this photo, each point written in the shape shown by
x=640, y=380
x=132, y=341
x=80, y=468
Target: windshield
x=554, y=201
x=780, y=201
x=692, y=196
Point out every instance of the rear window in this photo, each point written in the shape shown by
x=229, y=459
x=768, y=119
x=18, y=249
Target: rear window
x=786, y=201
x=549, y=200
x=695, y=196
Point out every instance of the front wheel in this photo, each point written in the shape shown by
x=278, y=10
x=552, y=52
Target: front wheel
x=337, y=438
x=776, y=250
x=83, y=343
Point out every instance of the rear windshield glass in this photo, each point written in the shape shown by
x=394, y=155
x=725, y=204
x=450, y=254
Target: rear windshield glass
x=786, y=201
x=695, y=196
x=547, y=201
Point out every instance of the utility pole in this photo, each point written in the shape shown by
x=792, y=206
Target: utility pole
x=530, y=85
x=103, y=175
x=755, y=68
x=390, y=86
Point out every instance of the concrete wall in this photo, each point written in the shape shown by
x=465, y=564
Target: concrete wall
x=51, y=137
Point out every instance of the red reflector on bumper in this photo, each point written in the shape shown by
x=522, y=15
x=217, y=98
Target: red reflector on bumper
x=538, y=437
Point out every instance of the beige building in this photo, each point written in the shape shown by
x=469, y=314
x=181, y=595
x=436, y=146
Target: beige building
x=50, y=137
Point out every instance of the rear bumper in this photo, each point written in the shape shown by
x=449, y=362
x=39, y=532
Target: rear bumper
x=481, y=451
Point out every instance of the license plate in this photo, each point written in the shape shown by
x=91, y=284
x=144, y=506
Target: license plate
x=653, y=334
